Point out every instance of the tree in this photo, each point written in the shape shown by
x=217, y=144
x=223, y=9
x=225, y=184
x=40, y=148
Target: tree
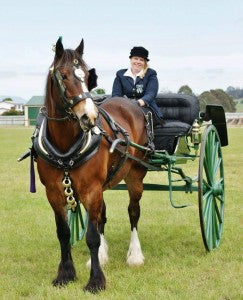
x=236, y=93
x=99, y=91
x=225, y=100
x=185, y=89
x=207, y=98
x=218, y=97
x=7, y=99
x=12, y=112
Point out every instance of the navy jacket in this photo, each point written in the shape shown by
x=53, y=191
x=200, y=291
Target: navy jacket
x=145, y=88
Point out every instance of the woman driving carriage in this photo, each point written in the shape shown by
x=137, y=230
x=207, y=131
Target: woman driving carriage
x=139, y=82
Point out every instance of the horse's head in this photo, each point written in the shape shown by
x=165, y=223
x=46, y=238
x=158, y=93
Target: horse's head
x=73, y=83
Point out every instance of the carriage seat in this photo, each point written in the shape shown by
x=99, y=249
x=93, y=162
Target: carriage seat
x=179, y=112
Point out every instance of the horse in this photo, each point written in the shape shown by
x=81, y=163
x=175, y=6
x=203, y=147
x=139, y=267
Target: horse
x=70, y=114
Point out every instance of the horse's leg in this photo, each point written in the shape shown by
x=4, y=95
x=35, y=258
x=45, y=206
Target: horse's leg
x=103, y=249
x=135, y=188
x=97, y=279
x=66, y=271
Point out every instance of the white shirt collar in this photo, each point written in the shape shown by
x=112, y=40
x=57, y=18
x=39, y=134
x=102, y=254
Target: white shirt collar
x=130, y=74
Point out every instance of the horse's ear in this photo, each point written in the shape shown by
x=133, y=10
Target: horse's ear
x=59, y=48
x=80, y=48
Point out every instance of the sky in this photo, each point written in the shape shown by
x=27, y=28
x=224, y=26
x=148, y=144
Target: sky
x=198, y=43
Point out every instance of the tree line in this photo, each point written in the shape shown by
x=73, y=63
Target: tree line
x=218, y=97
x=236, y=93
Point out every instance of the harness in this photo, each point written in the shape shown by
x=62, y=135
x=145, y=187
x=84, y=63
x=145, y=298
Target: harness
x=82, y=150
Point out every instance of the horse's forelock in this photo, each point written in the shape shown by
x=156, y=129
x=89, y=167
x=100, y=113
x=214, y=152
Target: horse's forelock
x=67, y=59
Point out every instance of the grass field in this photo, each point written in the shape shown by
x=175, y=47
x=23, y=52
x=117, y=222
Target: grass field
x=239, y=105
x=176, y=264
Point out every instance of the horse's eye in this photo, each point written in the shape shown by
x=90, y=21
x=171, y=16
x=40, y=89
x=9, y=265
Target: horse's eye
x=64, y=76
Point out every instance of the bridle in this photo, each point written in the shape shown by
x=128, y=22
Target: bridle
x=68, y=103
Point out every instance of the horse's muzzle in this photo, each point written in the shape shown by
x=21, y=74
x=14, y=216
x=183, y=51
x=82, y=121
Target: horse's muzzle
x=86, y=123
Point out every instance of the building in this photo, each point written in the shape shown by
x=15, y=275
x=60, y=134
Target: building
x=31, y=109
x=8, y=105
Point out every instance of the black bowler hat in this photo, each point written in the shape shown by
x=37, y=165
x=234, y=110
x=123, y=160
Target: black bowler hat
x=140, y=52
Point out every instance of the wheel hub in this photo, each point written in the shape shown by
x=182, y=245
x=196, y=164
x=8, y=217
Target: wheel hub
x=217, y=189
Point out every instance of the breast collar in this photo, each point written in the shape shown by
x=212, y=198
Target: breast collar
x=82, y=150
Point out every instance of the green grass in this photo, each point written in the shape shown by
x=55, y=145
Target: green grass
x=176, y=264
x=239, y=106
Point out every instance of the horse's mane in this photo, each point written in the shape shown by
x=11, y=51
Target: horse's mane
x=65, y=61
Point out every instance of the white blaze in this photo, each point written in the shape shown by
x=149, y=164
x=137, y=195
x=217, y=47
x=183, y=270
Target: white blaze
x=90, y=108
x=89, y=104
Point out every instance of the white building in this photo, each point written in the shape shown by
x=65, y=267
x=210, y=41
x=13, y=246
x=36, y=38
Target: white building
x=7, y=105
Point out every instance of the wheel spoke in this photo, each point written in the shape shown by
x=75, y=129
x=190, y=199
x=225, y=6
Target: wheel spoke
x=209, y=227
x=216, y=167
x=217, y=230
x=207, y=206
x=213, y=149
x=206, y=184
x=207, y=171
x=207, y=194
x=220, y=199
x=214, y=226
x=217, y=211
x=220, y=181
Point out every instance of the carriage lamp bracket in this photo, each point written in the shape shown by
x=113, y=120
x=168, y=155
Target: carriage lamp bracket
x=196, y=135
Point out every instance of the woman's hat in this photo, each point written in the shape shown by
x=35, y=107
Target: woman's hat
x=139, y=51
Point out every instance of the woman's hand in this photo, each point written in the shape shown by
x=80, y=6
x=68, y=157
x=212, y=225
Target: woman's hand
x=141, y=102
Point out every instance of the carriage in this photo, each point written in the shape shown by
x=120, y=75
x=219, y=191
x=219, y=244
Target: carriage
x=84, y=146
x=188, y=135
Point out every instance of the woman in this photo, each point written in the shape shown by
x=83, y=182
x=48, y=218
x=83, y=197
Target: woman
x=138, y=82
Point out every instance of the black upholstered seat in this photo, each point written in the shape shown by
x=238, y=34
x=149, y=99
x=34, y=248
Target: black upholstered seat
x=179, y=112
x=172, y=127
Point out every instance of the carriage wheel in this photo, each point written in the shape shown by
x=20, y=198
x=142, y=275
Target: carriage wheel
x=77, y=222
x=211, y=188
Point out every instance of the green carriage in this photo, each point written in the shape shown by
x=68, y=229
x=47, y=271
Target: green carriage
x=188, y=135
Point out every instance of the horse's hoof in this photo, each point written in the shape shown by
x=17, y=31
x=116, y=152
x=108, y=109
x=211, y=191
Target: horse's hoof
x=66, y=273
x=95, y=285
x=62, y=282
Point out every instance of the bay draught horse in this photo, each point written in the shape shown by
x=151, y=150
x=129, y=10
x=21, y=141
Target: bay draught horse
x=75, y=138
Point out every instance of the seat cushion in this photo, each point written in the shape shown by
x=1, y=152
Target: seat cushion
x=172, y=127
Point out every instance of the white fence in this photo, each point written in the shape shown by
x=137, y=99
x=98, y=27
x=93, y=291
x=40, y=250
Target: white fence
x=235, y=118
x=12, y=120
x=234, y=115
